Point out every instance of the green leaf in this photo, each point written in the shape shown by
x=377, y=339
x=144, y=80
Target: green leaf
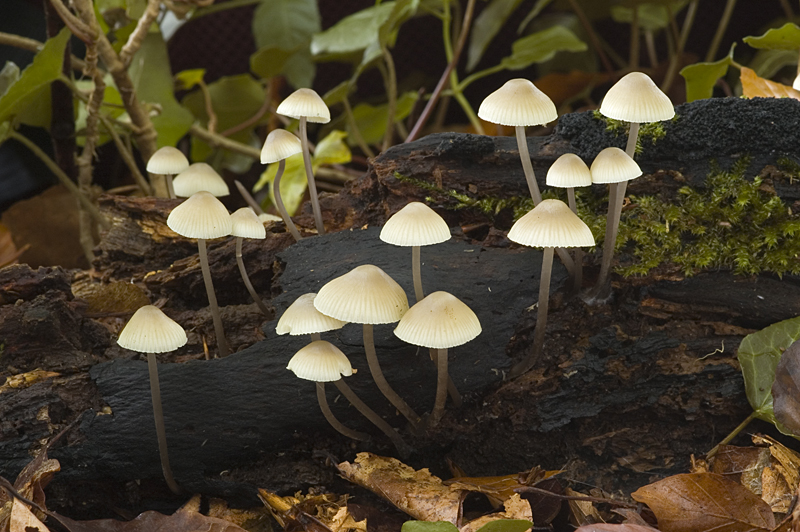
x=115, y=110
x=428, y=526
x=787, y=37
x=371, y=119
x=338, y=93
x=701, y=77
x=152, y=76
x=354, y=32
x=188, y=79
x=36, y=78
x=506, y=525
x=403, y=10
x=542, y=46
x=651, y=16
x=5, y=130
x=767, y=63
x=332, y=150
x=532, y=14
x=486, y=26
x=270, y=61
x=8, y=76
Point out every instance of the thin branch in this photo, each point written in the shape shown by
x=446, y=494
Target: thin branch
x=209, y=105
x=127, y=157
x=81, y=29
x=32, y=45
x=218, y=141
x=136, y=38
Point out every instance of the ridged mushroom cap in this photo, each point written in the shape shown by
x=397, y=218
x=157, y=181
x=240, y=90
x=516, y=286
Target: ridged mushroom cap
x=200, y=216
x=305, y=103
x=365, y=294
x=551, y=224
x=199, y=177
x=518, y=103
x=245, y=224
x=635, y=98
x=280, y=144
x=151, y=331
x=569, y=170
x=439, y=321
x=302, y=317
x=320, y=361
x=416, y=224
x=269, y=218
x=167, y=160
x=613, y=165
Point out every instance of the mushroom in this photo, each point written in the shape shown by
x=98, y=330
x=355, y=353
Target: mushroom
x=321, y=362
x=168, y=161
x=307, y=106
x=549, y=224
x=367, y=295
x=302, y=317
x=245, y=224
x=203, y=216
x=279, y=146
x=151, y=331
x=439, y=321
x=198, y=177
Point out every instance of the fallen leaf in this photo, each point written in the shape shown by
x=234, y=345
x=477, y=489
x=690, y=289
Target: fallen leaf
x=24, y=380
x=498, y=489
x=786, y=389
x=781, y=479
x=754, y=86
x=545, y=508
x=8, y=251
x=30, y=483
x=23, y=520
x=607, y=527
x=582, y=512
x=744, y=465
x=515, y=517
x=313, y=513
x=703, y=502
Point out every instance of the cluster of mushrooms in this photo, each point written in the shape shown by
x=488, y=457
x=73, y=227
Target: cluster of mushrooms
x=368, y=295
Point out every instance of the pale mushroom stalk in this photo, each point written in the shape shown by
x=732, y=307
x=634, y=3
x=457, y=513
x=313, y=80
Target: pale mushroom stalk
x=530, y=177
x=222, y=342
x=246, y=278
x=170, y=188
x=335, y=423
x=416, y=273
x=276, y=189
x=312, y=185
x=451, y=386
x=248, y=198
x=158, y=414
x=541, y=315
x=578, y=271
x=380, y=380
x=441, y=387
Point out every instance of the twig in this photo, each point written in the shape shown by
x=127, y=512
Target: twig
x=136, y=38
x=32, y=45
x=81, y=29
x=218, y=141
x=540, y=491
x=127, y=157
x=209, y=105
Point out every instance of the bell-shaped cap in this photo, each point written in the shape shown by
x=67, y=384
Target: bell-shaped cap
x=167, y=160
x=302, y=317
x=439, y=321
x=305, y=103
x=200, y=216
x=199, y=177
x=416, y=224
x=551, y=224
x=320, y=361
x=280, y=144
x=635, y=98
x=245, y=224
x=569, y=170
x=613, y=165
x=518, y=103
x=365, y=294
x=151, y=331
x=265, y=217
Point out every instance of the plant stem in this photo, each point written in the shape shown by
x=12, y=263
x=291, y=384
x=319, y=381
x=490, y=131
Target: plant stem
x=720, y=33
x=335, y=423
x=753, y=415
x=442, y=378
x=127, y=157
x=527, y=167
x=218, y=141
x=589, y=29
x=351, y=119
x=136, y=38
x=222, y=342
x=633, y=62
x=312, y=185
x=391, y=93
x=246, y=278
x=158, y=415
x=32, y=45
x=416, y=274
x=541, y=316
x=276, y=191
x=675, y=61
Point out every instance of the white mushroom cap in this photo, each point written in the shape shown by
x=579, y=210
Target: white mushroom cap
x=320, y=361
x=569, y=170
x=365, y=294
x=305, y=103
x=199, y=177
x=439, y=321
x=551, y=224
x=635, y=98
x=200, y=216
x=269, y=218
x=167, y=160
x=303, y=318
x=151, y=331
x=613, y=165
x=518, y=103
x=416, y=224
x=280, y=144
x=245, y=224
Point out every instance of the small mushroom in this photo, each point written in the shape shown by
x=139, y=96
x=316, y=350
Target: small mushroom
x=302, y=317
x=199, y=177
x=168, y=161
x=245, y=224
x=279, y=146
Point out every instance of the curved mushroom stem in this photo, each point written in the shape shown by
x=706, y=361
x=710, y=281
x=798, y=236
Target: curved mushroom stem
x=633, y=137
x=335, y=423
x=441, y=388
x=527, y=167
x=222, y=342
x=380, y=380
x=276, y=191
x=312, y=185
x=416, y=273
x=451, y=386
x=402, y=447
x=541, y=316
x=170, y=188
x=161, y=432
x=578, y=271
x=251, y=202
x=246, y=278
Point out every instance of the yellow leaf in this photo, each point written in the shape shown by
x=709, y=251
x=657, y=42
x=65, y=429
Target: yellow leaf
x=757, y=87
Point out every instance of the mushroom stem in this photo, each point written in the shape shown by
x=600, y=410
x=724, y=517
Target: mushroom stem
x=335, y=423
x=402, y=447
x=312, y=185
x=451, y=386
x=380, y=380
x=246, y=278
x=276, y=191
x=252, y=203
x=416, y=274
x=527, y=167
x=441, y=388
x=633, y=136
x=315, y=337
x=541, y=316
x=222, y=342
x=158, y=414
x=170, y=188
x=578, y=271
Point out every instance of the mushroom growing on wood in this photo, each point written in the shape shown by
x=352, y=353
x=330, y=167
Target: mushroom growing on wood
x=302, y=317
x=279, y=146
x=245, y=224
x=199, y=177
x=168, y=161
x=151, y=331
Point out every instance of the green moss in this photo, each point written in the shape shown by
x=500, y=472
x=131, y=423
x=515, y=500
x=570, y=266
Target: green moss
x=650, y=131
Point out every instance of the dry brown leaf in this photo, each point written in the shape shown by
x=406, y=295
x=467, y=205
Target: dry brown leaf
x=754, y=86
x=705, y=501
x=23, y=520
x=774, y=490
x=30, y=484
x=498, y=489
x=251, y=520
x=607, y=527
x=742, y=464
x=8, y=251
x=24, y=380
x=582, y=512
x=514, y=508
x=313, y=513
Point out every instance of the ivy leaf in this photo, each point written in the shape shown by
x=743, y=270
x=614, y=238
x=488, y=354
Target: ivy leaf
x=787, y=37
x=486, y=26
x=701, y=77
x=270, y=61
x=542, y=46
x=428, y=526
x=371, y=119
x=353, y=33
